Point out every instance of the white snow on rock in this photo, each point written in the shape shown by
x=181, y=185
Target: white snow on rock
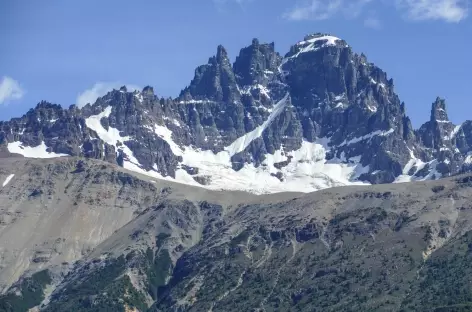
x=330, y=40
x=243, y=142
x=39, y=151
x=309, y=46
x=196, y=102
x=112, y=137
x=263, y=90
x=468, y=158
x=7, y=180
x=166, y=135
x=306, y=171
x=307, y=168
x=139, y=97
x=453, y=133
x=366, y=137
x=382, y=85
x=418, y=164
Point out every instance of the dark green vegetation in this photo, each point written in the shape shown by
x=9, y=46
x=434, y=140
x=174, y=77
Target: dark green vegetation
x=32, y=293
x=158, y=269
x=363, y=262
x=444, y=282
x=101, y=289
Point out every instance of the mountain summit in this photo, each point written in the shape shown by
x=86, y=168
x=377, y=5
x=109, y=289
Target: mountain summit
x=320, y=116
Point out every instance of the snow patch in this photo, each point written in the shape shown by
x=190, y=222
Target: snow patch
x=139, y=96
x=243, y=142
x=306, y=170
x=453, y=133
x=112, y=137
x=366, y=137
x=7, y=180
x=196, y=102
x=330, y=40
x=382, y=85
x=418, y=164
x=468, y=158
x=39, y=151
x=263, y=90
x=372, y=108
x=166, y=135
x=309, y=46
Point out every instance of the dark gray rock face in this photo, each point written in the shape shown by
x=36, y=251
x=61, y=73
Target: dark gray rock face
x=319, y=92
x=256, y=64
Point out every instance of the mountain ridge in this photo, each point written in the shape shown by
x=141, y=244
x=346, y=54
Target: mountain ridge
x=86, y=235
x=340, y=123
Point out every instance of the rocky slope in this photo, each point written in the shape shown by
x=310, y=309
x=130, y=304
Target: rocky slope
x=84, y=235
x=318, y=117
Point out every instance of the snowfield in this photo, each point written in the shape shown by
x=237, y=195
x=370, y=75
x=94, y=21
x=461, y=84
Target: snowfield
x=306, y=171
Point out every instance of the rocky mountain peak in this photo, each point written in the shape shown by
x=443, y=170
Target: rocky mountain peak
x=317, y=41
x=256, y=64
x=48, y=105
x=319, y=36
x=148, y=90
x=221, y=54
x=438, y=111
x=214, y=81
x=438, y=132
x=44, y=111
x=321, y=116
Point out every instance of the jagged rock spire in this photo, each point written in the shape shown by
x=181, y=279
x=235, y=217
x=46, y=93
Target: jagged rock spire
x=438, y=111
x=214, y=81
x=256, y=64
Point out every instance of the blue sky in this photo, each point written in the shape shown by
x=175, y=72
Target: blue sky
x=66, y=51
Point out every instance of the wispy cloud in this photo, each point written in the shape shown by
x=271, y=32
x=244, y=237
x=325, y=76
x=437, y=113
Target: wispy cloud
x=373, y=22
x=100, y=89
x=10, y=89
x=314, y=10
x=325, y=9
x=445, y=10
x=220, y=4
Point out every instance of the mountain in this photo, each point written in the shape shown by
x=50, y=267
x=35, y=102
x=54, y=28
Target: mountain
x=318, y=117
x=86, y=235
x=206, y=202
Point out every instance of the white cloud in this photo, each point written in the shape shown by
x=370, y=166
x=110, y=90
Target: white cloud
x=227, y=1
x=325, y=9
x=222, y=5
x=445, y=10
x=373, y=22
x=10, y=89
x=314, y=10
x=100, y=89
